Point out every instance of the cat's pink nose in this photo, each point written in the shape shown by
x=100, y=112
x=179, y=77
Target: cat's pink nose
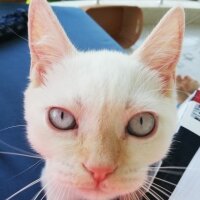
x=99, y=173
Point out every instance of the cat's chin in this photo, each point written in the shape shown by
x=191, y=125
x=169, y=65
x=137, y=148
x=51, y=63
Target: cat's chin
x=88, y=194
x=84, y=192
x=97, y=194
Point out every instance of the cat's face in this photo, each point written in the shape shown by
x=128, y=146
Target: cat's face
x=100, y=118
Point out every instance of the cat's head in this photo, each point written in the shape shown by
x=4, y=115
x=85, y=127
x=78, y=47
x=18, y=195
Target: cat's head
x=100, y=118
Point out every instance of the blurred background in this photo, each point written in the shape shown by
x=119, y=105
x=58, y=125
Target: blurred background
x=152, y=11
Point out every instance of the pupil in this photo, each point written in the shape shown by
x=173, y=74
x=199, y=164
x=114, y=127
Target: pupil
x=62, y=115
x=141, y=121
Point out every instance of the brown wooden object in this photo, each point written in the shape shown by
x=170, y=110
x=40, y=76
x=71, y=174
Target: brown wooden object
x=123, y=23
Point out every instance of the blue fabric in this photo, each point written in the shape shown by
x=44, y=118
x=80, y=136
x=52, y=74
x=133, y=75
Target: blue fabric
x=15, y=171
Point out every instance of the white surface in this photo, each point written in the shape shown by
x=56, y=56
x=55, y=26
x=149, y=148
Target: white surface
x=188, y=187
x=188, y=121
x=141, y=3
x=186, y=118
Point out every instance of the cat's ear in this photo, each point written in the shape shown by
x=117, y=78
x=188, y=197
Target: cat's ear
x=161, y=49
x=48, y=42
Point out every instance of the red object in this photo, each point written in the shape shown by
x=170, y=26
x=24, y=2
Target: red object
x=196, y=96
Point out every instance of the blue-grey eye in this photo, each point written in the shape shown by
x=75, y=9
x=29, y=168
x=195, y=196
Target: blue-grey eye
x=62, y=119
x=141, y=124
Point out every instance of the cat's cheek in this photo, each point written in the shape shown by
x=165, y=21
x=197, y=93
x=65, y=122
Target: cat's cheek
x=37, y=143
x=40, y=140
x=50, y=144
x=131, y=183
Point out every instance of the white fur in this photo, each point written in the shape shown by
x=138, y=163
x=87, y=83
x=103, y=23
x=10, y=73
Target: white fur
x=96, y=79
x=103, y=90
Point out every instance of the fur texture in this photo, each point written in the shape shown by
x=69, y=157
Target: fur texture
x=103, y=90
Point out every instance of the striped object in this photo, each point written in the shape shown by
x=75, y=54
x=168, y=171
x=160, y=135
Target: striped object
x=182, y=181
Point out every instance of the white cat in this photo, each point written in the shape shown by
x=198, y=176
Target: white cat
x=99, y=118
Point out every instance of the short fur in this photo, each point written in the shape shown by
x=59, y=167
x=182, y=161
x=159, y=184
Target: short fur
x=103, y=89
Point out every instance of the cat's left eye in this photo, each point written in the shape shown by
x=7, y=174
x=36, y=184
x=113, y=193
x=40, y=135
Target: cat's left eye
x=142, y=124
x=61, y=119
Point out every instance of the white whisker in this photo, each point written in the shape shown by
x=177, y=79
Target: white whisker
x=59, y=193
x=162, y=188
x=68, y=193
x=154, y=194
x=35, y=164
x=170, y=172
x=20, y=154
x=11, y=127
x=170, y=183
x=15, y=148
x=168, y=167
x=143, y=194
x=43, y=188
x=155, y=187
x=135, y=197
x=63, y=194
x=24, y=188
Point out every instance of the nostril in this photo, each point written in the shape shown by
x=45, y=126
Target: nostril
x=99, y=173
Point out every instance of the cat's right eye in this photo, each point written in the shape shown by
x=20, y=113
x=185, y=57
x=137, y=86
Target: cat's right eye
x=141, y=124
x=61, y=119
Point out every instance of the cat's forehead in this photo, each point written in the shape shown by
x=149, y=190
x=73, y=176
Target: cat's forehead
x=99, y=77
x=98, y=67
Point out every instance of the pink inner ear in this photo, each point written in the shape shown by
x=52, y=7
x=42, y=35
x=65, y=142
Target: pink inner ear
x=47, y=40
x=162, y=48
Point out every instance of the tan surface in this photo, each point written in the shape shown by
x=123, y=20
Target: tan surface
x=123, y=23
x=185, y=87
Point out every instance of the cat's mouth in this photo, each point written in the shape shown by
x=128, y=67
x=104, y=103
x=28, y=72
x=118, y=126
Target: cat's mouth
x=96, y=188
x=89, y=190
x=104, y=191
x=96, y=192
